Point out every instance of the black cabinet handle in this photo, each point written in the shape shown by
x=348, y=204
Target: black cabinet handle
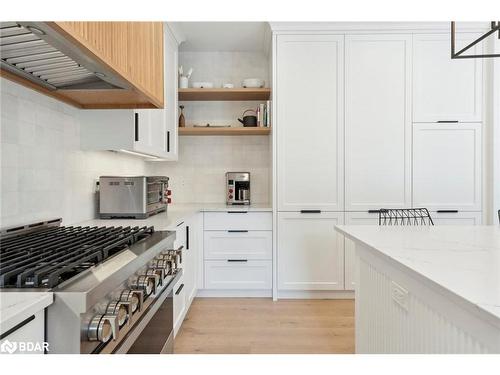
x=310, y=211
x=16, y=327
x=178, y=225
x=136, y=124
x=237, y=212
x=168, y=141
x=237, y=260
x=373, y=211
x=179, y=290
x=237, y=231
x=447, y=211
x=447, y=121
x=187, y=237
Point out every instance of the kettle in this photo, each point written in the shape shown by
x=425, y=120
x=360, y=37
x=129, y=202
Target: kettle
x=249, y=120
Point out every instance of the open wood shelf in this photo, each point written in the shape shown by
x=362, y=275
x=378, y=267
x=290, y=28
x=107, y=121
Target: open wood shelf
x=224, y=131
x=224, y=94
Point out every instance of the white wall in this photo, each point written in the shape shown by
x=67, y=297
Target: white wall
x=199, y=174
x=44, y=172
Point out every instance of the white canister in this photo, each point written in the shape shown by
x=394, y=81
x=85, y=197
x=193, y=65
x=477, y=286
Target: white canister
x=183, y=82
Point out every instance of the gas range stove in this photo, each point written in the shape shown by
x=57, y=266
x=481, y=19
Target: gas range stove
x=108, y=282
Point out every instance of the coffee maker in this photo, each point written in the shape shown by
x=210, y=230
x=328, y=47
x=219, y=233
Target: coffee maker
x=238, y=188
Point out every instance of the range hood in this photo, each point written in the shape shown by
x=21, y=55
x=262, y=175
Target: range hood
x=34, y=51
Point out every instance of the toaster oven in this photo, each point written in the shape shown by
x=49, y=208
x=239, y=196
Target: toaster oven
x=132, y=197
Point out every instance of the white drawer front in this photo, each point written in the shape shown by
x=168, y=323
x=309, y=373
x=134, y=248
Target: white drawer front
x=238, y=220
x=223, y=245
x=253, y=274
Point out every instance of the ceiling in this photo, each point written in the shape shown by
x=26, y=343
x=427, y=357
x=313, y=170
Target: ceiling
x=223, y=36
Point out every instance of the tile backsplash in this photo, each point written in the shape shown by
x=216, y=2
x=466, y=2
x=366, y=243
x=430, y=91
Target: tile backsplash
x=44, y=172
x=199, y=174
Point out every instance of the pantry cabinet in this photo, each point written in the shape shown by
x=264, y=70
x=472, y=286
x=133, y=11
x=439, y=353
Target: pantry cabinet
x=310, y=111
x=446, y=89
x=310, y=252
x=447, y=166
x=377, y=122
x=151, y=132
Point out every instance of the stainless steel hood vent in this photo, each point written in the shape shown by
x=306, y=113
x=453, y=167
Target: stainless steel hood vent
x=36, y=52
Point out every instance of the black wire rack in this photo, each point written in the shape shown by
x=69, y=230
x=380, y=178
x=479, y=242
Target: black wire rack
x=404, y=216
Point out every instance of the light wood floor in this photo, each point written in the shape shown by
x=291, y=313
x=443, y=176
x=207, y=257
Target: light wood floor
x=259, y=325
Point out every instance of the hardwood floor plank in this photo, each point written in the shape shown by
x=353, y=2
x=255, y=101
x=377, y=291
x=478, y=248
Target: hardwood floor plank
x=261, y=326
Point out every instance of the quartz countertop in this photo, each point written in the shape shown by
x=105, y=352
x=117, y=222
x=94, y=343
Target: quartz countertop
x=175, y=214
x=17, y=305
x=461, y=260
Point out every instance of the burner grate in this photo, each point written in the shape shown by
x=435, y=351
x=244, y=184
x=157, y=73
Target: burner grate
x=51, y=255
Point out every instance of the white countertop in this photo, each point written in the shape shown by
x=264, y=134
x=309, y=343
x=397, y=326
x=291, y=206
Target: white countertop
x=462, y=260
x=16, y=306
x=175, y=214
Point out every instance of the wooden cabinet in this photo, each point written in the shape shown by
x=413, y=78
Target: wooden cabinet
x=309, y=105
x=447, y=166
x=377, y=122
x=446, y=89
x=310, y=251
x=134, y=50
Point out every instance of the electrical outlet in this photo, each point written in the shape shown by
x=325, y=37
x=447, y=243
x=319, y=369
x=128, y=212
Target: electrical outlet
x=399, y=295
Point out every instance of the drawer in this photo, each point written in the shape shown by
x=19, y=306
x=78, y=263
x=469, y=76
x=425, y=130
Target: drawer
x=238, y=220
x=223, y=245
x=252, y=274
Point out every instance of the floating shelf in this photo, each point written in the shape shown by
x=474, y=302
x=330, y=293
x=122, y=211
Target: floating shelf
x=224, y=94
x=224, y=131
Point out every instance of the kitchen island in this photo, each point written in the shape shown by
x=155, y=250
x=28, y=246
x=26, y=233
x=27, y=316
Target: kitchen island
x=427, y=289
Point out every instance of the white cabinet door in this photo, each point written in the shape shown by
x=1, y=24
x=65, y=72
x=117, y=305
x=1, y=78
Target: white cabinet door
x=445, y=89
x=238, y=274
x=452, y=217
x=355, y=218
x=309, y=100
x=171, y=120
x=447, y=166
x=223, y=245
x=310, y=251
x=179, y=305
x=378, y=122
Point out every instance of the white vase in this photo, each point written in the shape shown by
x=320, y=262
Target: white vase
x=183, y=82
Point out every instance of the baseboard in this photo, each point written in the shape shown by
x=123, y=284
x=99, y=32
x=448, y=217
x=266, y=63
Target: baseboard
x=242, y=293
x=315, y=294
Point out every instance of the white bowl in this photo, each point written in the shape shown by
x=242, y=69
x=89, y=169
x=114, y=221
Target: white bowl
x=253, y=83
x=203, y=85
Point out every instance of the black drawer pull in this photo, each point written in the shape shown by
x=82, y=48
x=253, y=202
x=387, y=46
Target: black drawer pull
x=237, y=260
x=16, y=327
x=136, y=127
x=187, y=237
x=237, y=231
x=310, y=211
x=178, y=225
x=179, y=290
x=237, y=212
x=447, y=211
x=373, y=211
x=168, y=141
x=447, y=121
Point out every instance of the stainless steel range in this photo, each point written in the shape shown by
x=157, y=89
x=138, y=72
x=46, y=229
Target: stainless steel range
x=112, y=285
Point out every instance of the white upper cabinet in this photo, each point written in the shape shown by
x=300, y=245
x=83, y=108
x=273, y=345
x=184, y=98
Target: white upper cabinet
x=148, y=131
x=377, y=122
x=310, y=251
x=446, y=89
x=309, y=101
x=447, y=166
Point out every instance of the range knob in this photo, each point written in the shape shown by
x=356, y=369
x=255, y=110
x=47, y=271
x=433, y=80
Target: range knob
x=103, y=328
x=147, y=283
x=164, y=264
x=122, y=309
x=154, y=271
x=177, y=254
x=134, y=297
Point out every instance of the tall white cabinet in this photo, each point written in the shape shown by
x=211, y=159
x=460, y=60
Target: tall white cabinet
x=377, y=122
x=364, y=121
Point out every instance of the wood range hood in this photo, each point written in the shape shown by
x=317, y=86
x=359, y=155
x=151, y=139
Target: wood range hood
x=89, y=65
